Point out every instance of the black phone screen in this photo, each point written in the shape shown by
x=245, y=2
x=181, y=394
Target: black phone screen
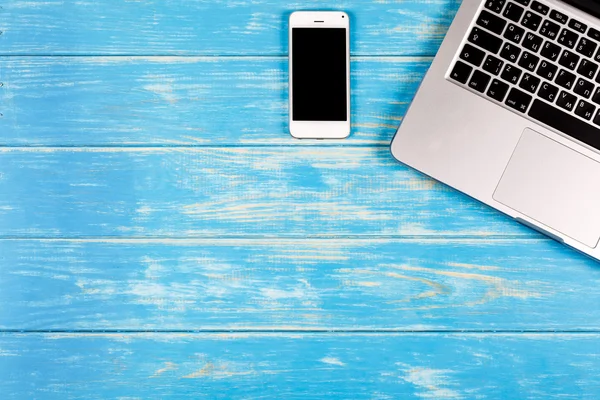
x=319, y=91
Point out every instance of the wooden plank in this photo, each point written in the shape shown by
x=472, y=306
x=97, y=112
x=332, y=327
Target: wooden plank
x=208, y=27
x=283, y=366
x=300, y=284
x=200, y=192
x=184, y=100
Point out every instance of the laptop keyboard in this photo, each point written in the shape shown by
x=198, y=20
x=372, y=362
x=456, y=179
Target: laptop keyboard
x=537, y=61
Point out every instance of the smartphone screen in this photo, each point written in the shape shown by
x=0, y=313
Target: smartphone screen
x=319, y=74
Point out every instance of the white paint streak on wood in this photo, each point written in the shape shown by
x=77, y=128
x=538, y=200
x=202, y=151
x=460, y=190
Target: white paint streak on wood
x=171, y=100
x=332, y=361
x=169, y=366
x=431, y=382
x=213, y=190
x=295, y=284
x=380, y=365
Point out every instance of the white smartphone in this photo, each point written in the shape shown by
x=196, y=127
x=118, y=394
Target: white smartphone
x=319, y=75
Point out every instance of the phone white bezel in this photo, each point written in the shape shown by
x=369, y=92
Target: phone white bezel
x=320, y=129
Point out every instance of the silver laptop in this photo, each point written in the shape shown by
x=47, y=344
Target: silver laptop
x=509, y=113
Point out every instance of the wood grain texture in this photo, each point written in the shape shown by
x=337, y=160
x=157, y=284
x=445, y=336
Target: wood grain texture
x=184, y=100
x=149, y=189
x=301, y=284
x=208, y=27
x=290, y=366
x=192, y=192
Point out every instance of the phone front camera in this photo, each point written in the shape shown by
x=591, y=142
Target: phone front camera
x=343, y=16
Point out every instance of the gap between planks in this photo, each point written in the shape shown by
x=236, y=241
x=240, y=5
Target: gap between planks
x=269, y=332
x=159, y=57
x=282, y=240
x=148, y=147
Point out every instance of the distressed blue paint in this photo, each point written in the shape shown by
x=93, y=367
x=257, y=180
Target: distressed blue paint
x=208, y=27
x=282, y=366
x=298, y=284
x=293, y=236
x=258, y=191
x=184, y=101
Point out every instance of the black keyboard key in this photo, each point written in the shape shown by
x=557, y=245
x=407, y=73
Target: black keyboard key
x=558, y=16
x=584, y=88
x=529, y=83
x=497, y=90
x=551, y=51
x=539, y=7
x=485, y=40
x=548, y=92
x=594, y=34
x=587, y=69
x=510, y=52
x=586, y=47
x=597, y=56
x=566, y=100
x=518, y=100
x=524, y=2
x=461, y=72
x=493, y=65
x=514, y=33
x=565, y=123
x=529, y=61
x=565, y=79
x=532, y=42
x=531, y=20
x=491, y=22
x=513, y=12
x=495, y=5
x=511, y=74
x=547, y=70
x=472, y=55
x=578, y=26
x=568, y=38
x=550, y=29
x=597, y=119
x=479, y=81
x=596, y=98
x=585, y=109
x=569, y=59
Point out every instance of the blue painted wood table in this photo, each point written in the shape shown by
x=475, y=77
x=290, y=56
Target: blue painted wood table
x=162, y=236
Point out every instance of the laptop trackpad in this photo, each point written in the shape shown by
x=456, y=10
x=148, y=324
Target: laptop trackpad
x=554, y=185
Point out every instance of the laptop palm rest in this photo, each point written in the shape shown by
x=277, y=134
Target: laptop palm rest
x=554, y=185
